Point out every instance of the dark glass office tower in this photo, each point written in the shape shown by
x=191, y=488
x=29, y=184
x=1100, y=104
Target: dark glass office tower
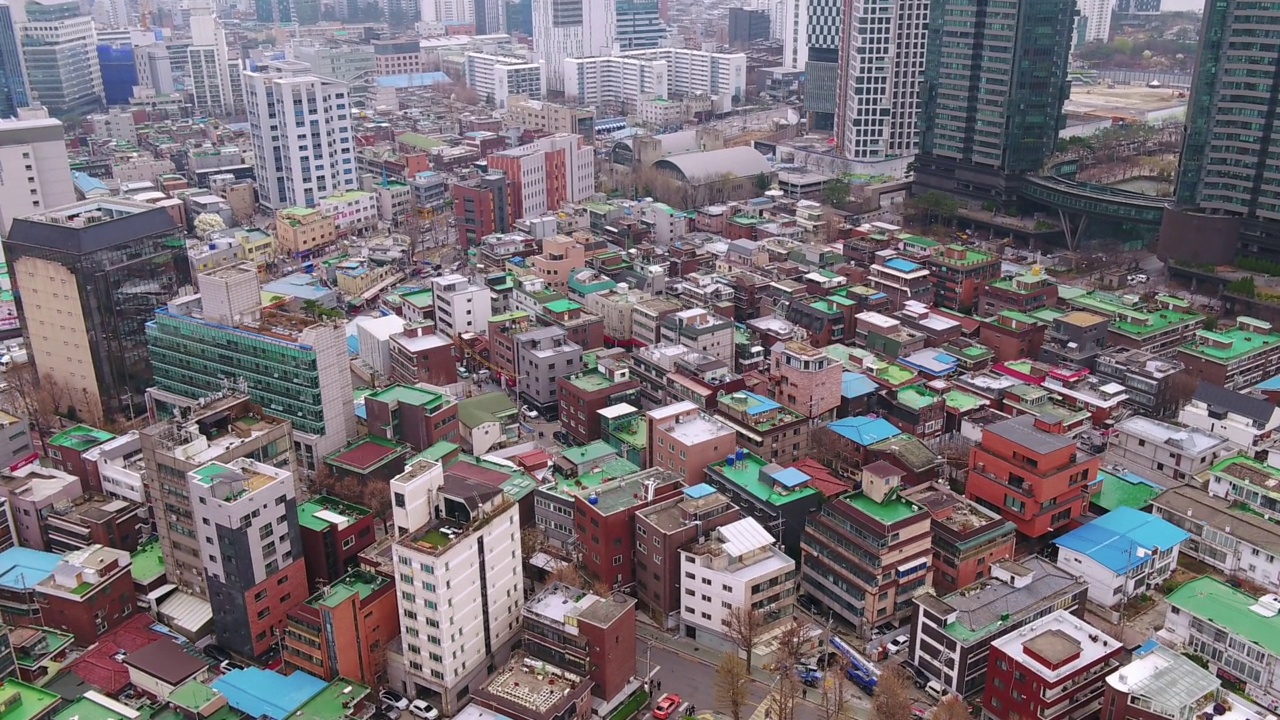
x=822, y=95
x=13, y=83
x=639, y=25
x=994, y=83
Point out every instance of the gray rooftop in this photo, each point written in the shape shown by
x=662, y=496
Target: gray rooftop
x=1022, y=431
x=1216, y=396
x=980, y=607
x=1187, y=503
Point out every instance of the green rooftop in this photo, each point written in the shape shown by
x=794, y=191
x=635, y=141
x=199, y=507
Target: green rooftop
x=634, y=432
x=562, y=306
x=419, y=299
x=335, y=702
x=747, y=474
x=1046, y=315
x=916, y=397
x=1129, y=316
x=323, y=512
x=920, y=242
x=80, y=438
x=438, y=451
x=418, y=141
x=360, y=583
x=893, y=374
x=964, y=256
x=24, y=702
x=51, y=642
x=148, y=562
x=961, y=401
x=416, y=396
x=1229, y=345
x=892, y=510
x=593, y=381
x=1124, y=491
x=488, y=407
x=1245, y=469
x=192, y=695
x=591, y=452
x=1228, y=608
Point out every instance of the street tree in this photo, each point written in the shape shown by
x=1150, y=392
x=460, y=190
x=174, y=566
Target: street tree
x=743, y=629
x=733, y=685
x=784, y=698
x=836, y=192
x=892, y=700
x=40, y=401
x=792, y=641
x=835, y=701
x=952, y=707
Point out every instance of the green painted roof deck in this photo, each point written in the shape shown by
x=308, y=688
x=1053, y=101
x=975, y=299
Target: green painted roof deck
x=509, y=317
x=419, y=299
x=916, y=397
x=1173, y=300
x=297, y=212
x=825, y=306
x=746, y=474
x=335, y=702
x=418, y=141
x=562, y=306
x=416, y=396
x=1244, y=469
x=967, y=256
x=1228, y=608
x=611, y=469
x=313, y=514
x=919, y=241
x=1016, y=316
x=633, y=432
x=1023, y=284
x=1046, y=315
x=588, y=453
x=893, y=373
x=52, y=642
x=148, y=562
x=893, y=509
x=360, y=583
x=192, y=695
x=439, y=451
x=961, y=401
x=81, y=438
x=1129, y=317
x=1119, y=491
x=1229, y=345
x=24, y=702
x=593, y=381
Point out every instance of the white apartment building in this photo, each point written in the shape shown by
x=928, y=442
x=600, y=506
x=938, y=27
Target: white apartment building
x=115, y=124
x=571, y=29
x=414, y=494
x=447, y=11
x=37, y=172
x=461, y=587
x=882, y=73
x=352, y=211
x=1234, y=541
x=461, y=305
x=1122, y=554
x=737, y=566
x=795, y=34
x=63, y=45
x=690, y=72
x=1094, y=23
x=495, y=78
x=301, y=130
x=613, y=81
x=700, y=330
x=1249, y=423
x=211, y=71
x=120, y=466
x=1155, y=449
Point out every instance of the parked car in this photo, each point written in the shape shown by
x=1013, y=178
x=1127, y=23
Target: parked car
x=666, y=706
x=897, y=644
x=918, y=712
x=562, y=437
x=424, y=710
x=916, y=673
x=389, y=712
x=394, y=699
x=227, y=666
x=216, y=652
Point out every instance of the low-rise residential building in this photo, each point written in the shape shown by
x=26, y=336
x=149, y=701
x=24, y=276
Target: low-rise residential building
x=1158, y=328
x=584, y=633
x=1148, y=380
x=524, y=688
x=1157, y=450
x=901, y=280
x=1246, y=481
x=1237, y=634
x=779, y=498
x=605, y=525
x=734, y=568
x=87, y=594
x=30, y=493
x=1076, y=338
x=460, y=581
x=95, y=520
x=1054, y=668
x=585, y=393
x=951, y=635
x=1123, y=554
x=661, y=531
x=967, y=538
x=1039, y=480
x=543, y=356
x=867, y=554
x=461, y=306
x=1248, y=422
x=353, y=212
x=420, y=355
x=1235, y=358
x=1224, y=536
x=765, y=427
x=303, y=232
x=66, y=450
x=412, y=415
x=959, y=274
x=487, y=422
x=700, y=330
x=116, y=467
x=1030, y=291
x=685, y=440
x=333, y=533
x=29, y=702
x=343, y=628
x=1161, y=682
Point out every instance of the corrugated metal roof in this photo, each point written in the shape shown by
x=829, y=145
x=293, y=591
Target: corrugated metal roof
x=186, y=612
x=743, y=536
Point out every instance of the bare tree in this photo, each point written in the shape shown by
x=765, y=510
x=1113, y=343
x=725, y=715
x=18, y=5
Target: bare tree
x=782, y=701
x=892, y=700
x=952, y=707
x=733, y=685
x=742, y=626
x=376, y=495
x=835, y=700
x=793, y=643
x=532, y=542
x=41, y=402
x=1182, y=386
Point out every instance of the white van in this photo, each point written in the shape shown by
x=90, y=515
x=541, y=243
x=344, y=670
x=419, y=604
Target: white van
x=937, y=690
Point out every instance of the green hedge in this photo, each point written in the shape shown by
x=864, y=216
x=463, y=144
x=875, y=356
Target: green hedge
x=630, y=707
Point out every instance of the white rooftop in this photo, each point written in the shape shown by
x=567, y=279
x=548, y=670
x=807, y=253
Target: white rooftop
x=699, y=429
x=667, y=411
x=421, y=342
x=875, y=318
x=617, y=411
x=383, y=327
x=743, y=536
x=1190, y=440
x=1057, y=636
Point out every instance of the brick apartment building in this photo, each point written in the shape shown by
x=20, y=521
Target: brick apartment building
x=1053, y=669
x=685, y=440
x=333, y=534
x=420, y=355
x=412, y=415
x=344, y=629
x=967, y=538
x=89, y=593
x=959, y=273
x=603, y=519
x=584, y=394
x=1037, y=479
x=585, y=634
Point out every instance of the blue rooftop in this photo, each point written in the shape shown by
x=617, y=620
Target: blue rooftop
x=413, y=80
x=87, y=183
x=299, y=285
x=1123, y=538
x=855, y=385
x=865, y=430
x=698, y=491
x=257, y=692
x=760, y=404
x=904, y=266
x=23, y=568
x=1272, y=383
x=791, y=478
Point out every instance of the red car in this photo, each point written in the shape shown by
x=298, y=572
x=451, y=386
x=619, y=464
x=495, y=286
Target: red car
x=666, y=705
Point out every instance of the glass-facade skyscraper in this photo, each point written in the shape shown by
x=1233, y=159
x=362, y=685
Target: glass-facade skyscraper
x=995, y=81
x=13, y=81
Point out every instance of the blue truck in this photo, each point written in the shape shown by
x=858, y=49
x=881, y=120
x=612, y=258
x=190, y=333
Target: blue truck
x=860, y=670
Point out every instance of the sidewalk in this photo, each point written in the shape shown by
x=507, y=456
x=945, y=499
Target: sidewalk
x=694, y=651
